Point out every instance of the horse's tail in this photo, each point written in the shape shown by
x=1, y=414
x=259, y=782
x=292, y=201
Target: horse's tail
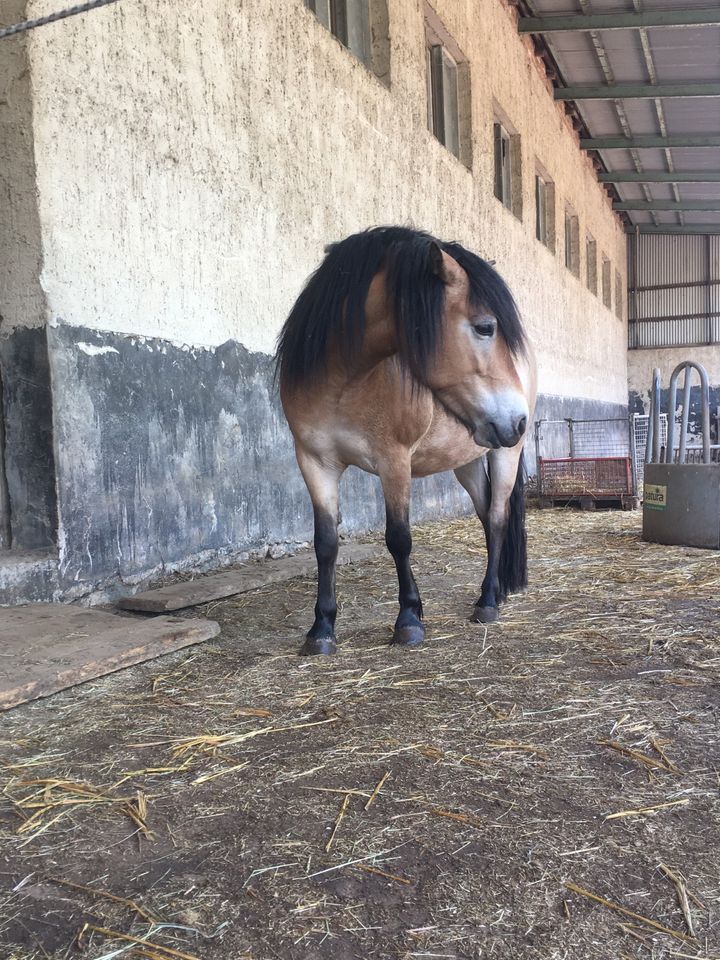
x=512, y=572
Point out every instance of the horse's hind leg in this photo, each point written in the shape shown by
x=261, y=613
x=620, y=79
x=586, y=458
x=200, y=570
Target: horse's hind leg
x=409, y=628
x=491, y=498
x=322, y=482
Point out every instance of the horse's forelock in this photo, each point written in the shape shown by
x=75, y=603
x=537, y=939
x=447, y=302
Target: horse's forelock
x=416, y=290
x=489, y=291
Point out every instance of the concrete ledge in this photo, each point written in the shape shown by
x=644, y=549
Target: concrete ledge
x=176, y=596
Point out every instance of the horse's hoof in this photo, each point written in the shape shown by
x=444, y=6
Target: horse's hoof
x=316, y=646
x=409, y=635
x=485, y=615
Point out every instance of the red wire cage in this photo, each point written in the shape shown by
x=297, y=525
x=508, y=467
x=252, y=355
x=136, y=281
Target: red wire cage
x=601, y=478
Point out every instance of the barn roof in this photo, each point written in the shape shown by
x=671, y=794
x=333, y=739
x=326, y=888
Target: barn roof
x=644, y=79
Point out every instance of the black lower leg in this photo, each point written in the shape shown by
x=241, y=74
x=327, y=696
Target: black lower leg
x=487, y=605
x=409, y=628
x=321, y=636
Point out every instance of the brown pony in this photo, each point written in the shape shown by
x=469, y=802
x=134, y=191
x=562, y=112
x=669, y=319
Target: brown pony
x=405, y=356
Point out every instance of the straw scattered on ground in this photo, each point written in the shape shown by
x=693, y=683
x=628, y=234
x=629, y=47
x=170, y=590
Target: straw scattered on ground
x=547, y=787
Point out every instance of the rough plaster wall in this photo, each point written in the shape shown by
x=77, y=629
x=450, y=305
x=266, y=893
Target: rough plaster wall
x=641, y=364
x=21, y=298
x=188, y=190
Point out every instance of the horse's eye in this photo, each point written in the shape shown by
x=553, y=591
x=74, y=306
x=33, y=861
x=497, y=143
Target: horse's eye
x=484, y=329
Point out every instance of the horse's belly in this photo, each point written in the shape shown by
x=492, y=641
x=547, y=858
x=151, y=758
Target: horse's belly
x=446, y=446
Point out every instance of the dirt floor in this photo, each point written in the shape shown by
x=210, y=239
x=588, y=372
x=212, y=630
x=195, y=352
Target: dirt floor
x=547, y=787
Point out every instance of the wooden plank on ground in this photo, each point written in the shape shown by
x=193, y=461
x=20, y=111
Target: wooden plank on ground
x=46, y=647
x=190, y=593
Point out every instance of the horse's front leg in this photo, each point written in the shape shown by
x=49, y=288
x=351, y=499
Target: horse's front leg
x=322, y=480
x=498, y=500
x=409, y=629
x=476, y=481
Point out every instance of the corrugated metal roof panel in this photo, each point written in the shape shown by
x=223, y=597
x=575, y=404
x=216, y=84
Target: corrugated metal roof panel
x=678, y=55
x=700, y=191
x=690, y=54
x=698, y=115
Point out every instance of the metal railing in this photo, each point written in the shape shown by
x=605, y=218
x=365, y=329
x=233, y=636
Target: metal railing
x=656, y=452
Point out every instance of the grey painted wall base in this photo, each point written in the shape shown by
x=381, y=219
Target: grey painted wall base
x=29, y=465
x=640, y=403
x=171, y=458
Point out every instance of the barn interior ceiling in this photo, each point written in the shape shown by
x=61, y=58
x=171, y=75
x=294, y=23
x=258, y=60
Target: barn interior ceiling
x=643, y=79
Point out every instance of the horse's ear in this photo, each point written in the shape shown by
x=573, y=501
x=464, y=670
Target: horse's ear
x=437, y=264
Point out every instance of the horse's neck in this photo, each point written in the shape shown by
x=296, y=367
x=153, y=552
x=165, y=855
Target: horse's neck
x=379, y=342
x=380, y=336
x=373, y=354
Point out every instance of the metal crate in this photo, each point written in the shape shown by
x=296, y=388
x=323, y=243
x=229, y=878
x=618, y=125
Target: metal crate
x=585, y=461
x=575, y=478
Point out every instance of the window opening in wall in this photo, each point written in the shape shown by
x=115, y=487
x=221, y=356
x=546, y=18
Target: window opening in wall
x=572, y=242
x=618, y=295
x=591, y=263
x=448, y=89
x=362, y=26
x=606, y=282
x=545, y=210
x=503, y=174
x=443, y=117
x=540, y=209
x=508, y=164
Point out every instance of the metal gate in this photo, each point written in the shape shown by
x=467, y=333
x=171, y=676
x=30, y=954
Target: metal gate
x=682, y=490
x=639, y=428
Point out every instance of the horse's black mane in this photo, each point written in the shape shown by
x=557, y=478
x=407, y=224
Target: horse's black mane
x=331, y=308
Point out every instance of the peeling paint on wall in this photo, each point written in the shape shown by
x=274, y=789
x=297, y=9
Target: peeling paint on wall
x=165, y=453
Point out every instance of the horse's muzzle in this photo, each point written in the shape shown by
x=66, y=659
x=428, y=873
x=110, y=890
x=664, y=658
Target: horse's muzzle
x=496, y=433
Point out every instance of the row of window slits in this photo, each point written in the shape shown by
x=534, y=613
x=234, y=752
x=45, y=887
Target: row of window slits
x=350, y=22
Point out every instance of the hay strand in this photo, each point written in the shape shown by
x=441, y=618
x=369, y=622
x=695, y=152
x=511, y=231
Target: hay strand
x=675, y=934
x=341, y=814
x=376, y=791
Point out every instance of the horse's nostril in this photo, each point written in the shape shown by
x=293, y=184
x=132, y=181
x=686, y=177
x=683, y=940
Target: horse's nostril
x=521, y=426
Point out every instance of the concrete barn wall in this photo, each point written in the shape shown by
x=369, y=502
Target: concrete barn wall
x=192, y=160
